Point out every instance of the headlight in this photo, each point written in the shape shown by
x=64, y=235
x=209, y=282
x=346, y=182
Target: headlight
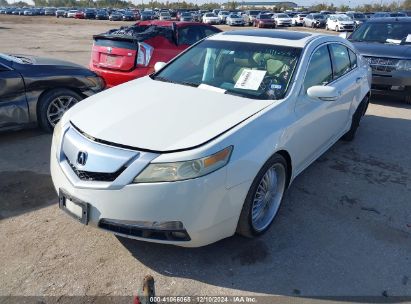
x=171, y=172
x=58, y=130
x=96, y=83
x=404, y=65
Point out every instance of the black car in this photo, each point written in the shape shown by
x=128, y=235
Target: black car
x=102, y=15
x=90, y=14
x=386, y=44
x=40, y=90
x=129, y=16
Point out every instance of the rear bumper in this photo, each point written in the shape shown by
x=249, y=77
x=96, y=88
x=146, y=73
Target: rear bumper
x=113, y=77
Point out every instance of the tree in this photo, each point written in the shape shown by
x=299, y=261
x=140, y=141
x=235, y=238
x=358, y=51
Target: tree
x=3, y=3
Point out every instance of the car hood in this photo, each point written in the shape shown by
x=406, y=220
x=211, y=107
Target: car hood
x=160, y=116
x=50, y=61
x=376, y=49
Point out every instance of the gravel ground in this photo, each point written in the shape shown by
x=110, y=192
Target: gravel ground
x=344, y=228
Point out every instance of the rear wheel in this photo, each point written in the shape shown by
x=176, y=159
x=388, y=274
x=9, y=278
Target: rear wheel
x=263, y=198
x=356, y=119
x=53, y=104
x=337, y=28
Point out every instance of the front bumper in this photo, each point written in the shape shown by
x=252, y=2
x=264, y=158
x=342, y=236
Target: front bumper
x=397, y=83
x=283, y=23
x=346, y=27
x=207, y=210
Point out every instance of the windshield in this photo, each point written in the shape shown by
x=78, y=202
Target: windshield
x=318, y=16
x=254, y=13
x=210, y=15
x=266, y=16
x=384, y=32
x=248, y=70
x=343, y=18
x=234, y=16
x=359, y=16
x=283, y=16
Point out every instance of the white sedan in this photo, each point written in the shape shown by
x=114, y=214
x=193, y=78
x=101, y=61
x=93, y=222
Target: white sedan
x=339, y=22
x=207, y=145
x=211, y=18
x=234, y=19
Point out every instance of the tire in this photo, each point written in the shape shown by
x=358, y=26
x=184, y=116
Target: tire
x=50, y=109
x=326, y=27
x=247, y=225
x=356, y=119
x=336, y=28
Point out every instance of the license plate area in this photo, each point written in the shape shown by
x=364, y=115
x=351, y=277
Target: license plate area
x=74, y=207
x=111, y=60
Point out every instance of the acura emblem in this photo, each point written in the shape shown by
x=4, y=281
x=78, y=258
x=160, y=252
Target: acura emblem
x=82, y=158
x=109, y=49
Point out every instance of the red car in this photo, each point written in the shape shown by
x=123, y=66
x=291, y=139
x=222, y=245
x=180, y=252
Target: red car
x=264, y=20
x=125, y=54
x=80, y=15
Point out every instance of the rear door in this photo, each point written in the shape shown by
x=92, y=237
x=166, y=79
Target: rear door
x=13, y=104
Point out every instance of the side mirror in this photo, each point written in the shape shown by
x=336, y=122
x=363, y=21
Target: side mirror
x=158, y=66
x=325, y=93
x=344, y=35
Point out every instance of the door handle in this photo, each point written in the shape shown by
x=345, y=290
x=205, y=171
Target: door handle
x=358, y=80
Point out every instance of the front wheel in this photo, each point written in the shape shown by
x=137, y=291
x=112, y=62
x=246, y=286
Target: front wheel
x=52, y=105
x=263, y=198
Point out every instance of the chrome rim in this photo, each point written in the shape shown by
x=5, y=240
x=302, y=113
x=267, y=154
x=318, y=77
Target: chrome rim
x=58, y=107
x=268, y=196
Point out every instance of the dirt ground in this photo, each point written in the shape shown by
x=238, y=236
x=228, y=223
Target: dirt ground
x=344, y=228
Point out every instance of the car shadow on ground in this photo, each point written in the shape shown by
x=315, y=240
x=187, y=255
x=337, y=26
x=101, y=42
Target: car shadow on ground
x=25, y=184
x=391, y=101
x=341, y=231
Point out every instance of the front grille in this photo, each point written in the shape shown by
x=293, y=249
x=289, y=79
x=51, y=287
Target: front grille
x=95, y=176
x=382, y=64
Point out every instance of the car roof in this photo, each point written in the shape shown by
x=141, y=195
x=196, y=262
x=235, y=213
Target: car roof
x=389, y=19
x=265, y=36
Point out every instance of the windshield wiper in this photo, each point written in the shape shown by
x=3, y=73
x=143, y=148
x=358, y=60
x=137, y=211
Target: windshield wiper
x=190, y=84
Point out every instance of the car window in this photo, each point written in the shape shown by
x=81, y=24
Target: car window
x=319, y=70
x=190, y=35
x=341, y=60
x=353, y=59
